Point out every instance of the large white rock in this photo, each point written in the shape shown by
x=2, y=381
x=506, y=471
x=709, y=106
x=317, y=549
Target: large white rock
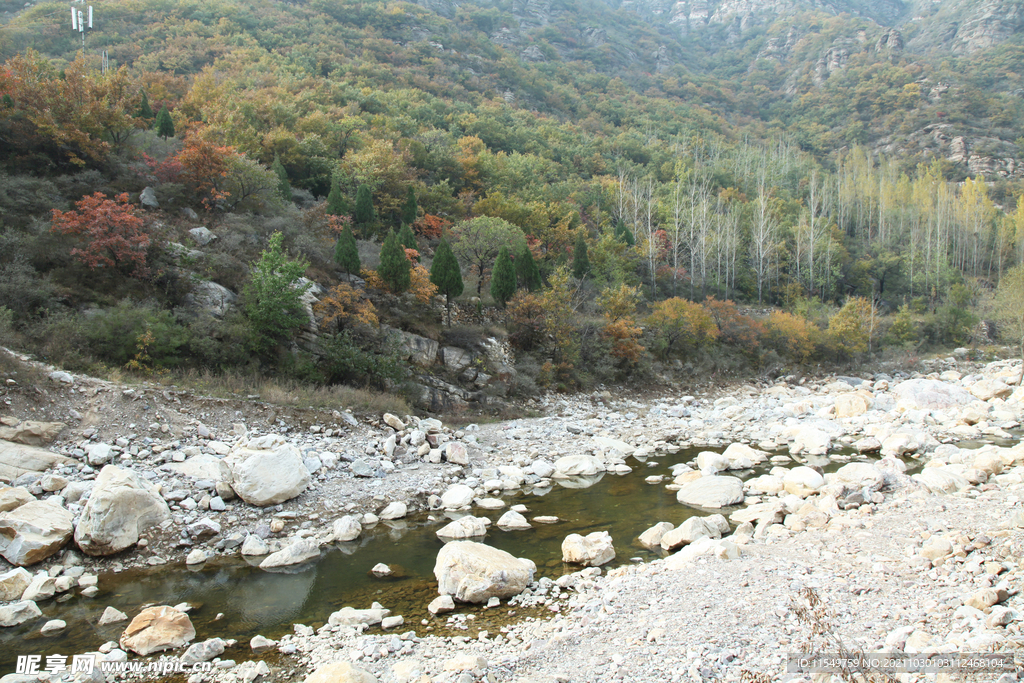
x=474, y=572
x=122, y=506
x=18, y=613
x=608, y=444
x=988, y=389
x=267, y=476
x=13, y=584
x=577, y=466
x=591, y=550
x=349, y=616
x=688, y=532
x=766, y=483
x=941, y=480
x=34, y=531
x=803, y=481
x=202, y=466
x=395, y=510
x=457, y=496
x=513, y=520
x=300, y=551
x=157, y=628
x=810, y=441
x=853, y=404
x=463, y=527
x=347, y=528
x=929, y=394
x=770, y=512
x=651, y=538
x=857, y=475
x=712, y=492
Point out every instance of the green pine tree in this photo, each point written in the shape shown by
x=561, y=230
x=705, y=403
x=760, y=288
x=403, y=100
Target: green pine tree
x=623, y=234
x=336, y=204
x=526, y=270
x=409, y=209
x=272, y=296
x=346, y=252
x=145, y=111
x=580, y=260
x=503, y=278
x=164, y=124
x=394, y=267
x=446, y=275
x=364, y=213
x=406, y=238
x=284, y=188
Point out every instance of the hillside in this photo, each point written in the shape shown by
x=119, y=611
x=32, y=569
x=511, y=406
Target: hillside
x=848, y=172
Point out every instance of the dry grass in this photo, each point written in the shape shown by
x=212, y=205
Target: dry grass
x=287, y=392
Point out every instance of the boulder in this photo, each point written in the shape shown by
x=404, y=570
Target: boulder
x=13, y=584
x=591, y=550
x=765, y=484
x=121, y=506
x=33, y=532
x=340, y=672
x=17, y=459
x=350, y=616
x=577, y=466
x=712, y=492
x=457, y=496
x=803, y=481
x=941, y=480
x=768, y=513
x=41, y=587
x=474, y=572
x=608, y=444
x=254, y=546
x=688, y=532
x=857, y=475
x=18, y=613
x=513, y=520
x=157, y=628
x=988, y=389
x=201, y=236
x=412, y=347
x=347, y=528
x=215, y=299
x=32, y=433
x=651, y=538
x=456, y=453
x=456, y=359
x=111, y=615
x=852, y=404
x=298, y=552
x=810, y=441
x=203, y=652
x=929, y=394
x=395, y=510
x=267, y=476
x=148, y=198
x=12, y=497
x=464, y=527
x=202, y=466
x=441, y=604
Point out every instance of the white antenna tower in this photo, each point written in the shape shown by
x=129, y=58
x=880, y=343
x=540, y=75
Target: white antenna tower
x=79, y=22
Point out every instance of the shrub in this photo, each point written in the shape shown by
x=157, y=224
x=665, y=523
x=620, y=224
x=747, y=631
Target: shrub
x=680, y=326
x=113, y=335
x=344, y=362
x=734, y=328
x=790, y=336
x=851, y=329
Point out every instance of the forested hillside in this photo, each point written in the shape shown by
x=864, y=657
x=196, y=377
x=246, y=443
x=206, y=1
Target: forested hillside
x=854, y=166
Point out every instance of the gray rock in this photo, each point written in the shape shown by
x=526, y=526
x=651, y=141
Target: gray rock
x=712, y=492
x=347, y=528
x=474, y=572
x=651, y=538
x=122, y=506
x=201, y=236
x=203, y=652
x=591, y=550
x=14, y=583
x=18, y=613
x=464, y=527
x=148, y=198
x=111, y=615
x=253, y=545
x=267, y=476
x=298, y=552
x=349, y=616
x=34, y=531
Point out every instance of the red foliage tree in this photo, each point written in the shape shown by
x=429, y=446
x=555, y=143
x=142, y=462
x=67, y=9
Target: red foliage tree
x=113, y=236
x=205, y=166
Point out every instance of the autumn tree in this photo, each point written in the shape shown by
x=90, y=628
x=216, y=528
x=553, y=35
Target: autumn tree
x=112, y=235
x=790, y=335
x=273, y=296
x=503, y=281
x=1009, y=307
x=164, y=124
x=205, y=166
x=618, y=305
x=394, y=266
x=343, y=305
x=346, y=252
x=446, y=275
x=851, y=329
x=680, y=325
x=478, y=241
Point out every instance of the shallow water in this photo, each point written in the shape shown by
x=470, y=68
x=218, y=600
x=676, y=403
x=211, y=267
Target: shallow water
x=253, y=601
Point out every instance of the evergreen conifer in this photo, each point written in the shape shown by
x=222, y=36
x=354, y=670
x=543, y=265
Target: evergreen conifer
x=394, y=266
x=446, y=275
x=503, y=279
